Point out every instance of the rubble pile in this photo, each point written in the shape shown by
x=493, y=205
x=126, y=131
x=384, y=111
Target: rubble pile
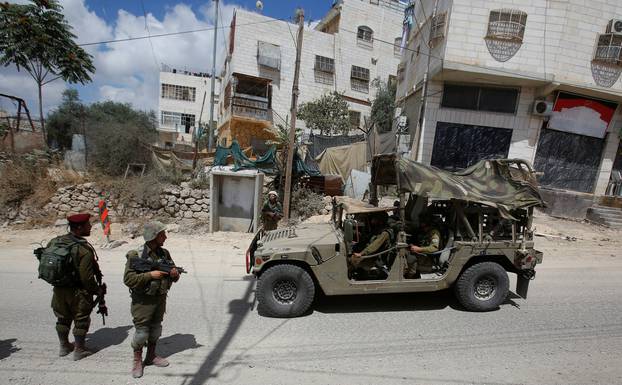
x=175, y=202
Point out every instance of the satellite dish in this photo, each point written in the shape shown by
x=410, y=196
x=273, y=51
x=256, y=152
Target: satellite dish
x=259, y=5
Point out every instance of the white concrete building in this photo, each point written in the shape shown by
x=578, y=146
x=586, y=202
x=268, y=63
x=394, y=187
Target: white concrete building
x=181, y=98
x=349, y=48
x=488, y=62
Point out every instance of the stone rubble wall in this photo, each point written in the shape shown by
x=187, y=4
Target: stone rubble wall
x=176, y=202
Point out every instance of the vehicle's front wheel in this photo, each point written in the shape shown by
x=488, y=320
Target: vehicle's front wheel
x=285, y=291
x=482, y=287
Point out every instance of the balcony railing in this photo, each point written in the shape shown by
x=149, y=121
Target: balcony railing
x=249, y=106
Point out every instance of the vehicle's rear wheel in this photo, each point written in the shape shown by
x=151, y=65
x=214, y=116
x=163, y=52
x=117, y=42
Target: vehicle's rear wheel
x=285, y=291
x=482, y=287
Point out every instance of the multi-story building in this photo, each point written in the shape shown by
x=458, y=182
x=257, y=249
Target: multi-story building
x=531, y=79
x=350, y=47
x=183, y=95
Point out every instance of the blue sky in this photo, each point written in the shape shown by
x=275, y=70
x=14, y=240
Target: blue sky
x=314, y=9
x=129, y=71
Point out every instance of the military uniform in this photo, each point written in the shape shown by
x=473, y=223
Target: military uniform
x=148, y=300
x=377, y=243
x=148, y=296
x=75, y=303
x=430, y=244
x=270, y=223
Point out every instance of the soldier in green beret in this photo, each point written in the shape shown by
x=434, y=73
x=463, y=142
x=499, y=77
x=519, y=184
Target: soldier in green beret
x=148, y=292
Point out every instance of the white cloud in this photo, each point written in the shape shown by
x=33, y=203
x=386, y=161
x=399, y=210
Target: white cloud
x=129, y=71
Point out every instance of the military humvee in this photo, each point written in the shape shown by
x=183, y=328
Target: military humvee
x=483, y=213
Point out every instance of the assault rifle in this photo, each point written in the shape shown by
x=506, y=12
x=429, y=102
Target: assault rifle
x=143, y=265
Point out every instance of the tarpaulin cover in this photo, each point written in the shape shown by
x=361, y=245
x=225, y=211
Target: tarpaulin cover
x=341, y=160
x=265, y=163
x=502, y=183
x=319, y=143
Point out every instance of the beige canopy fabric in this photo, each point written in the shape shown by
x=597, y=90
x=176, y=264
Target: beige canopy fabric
x=355, y=206
x=343, y=159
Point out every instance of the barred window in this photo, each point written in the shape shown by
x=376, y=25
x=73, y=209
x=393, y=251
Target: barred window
x=397, y=46
x=365, y=34
x=438, y=28
x=324, y=77
x=176, y=92
x=359, y=79
x=355, y=119
x=324, y=64
x=360, y=73
x=480, y=98
x=506, y=24
x=187, y=120
x=609, y=49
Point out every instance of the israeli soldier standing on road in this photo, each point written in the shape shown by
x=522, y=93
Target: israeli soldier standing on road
x=148, y=291
x=74, y=302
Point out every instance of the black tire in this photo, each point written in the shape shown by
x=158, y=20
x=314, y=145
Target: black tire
x=482, y=287
x=285, y=291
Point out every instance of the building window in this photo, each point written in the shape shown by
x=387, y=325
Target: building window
x=170, y=119
x=437, y=32
x=365, y=36
x=175, y=92
x=268, y=55
x=392, y=81
x=397, y=46
x=400, y=72
x=506, y=24
x=355, y=119
x=324, y=69
x=187, y=121
x=324, y=64
x=177, y=120
x=609, y=49
x=375, y=2
x=359, y=79
x=480, y=98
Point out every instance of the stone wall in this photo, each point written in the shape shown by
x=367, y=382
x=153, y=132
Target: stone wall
x=175, y=202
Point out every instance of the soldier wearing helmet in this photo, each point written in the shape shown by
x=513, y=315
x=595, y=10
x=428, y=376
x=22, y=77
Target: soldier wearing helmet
x=272, y=211
x=148, y=291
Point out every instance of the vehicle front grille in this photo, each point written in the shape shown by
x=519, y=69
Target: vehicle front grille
x=287, y=232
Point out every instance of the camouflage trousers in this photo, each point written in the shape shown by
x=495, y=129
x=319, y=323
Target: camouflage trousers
x=75, y=305
x=147, y=315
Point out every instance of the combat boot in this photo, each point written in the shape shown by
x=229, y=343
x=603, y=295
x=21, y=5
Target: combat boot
x=137, y=366
x=152, y=358
x=66, y=347
x=79, y=350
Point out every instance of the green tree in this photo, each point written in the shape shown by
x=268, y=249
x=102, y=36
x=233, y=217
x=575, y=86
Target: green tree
x=328, y=114
x=66, y=120
x=36, y=37
x=116, y=135
x=383, y=106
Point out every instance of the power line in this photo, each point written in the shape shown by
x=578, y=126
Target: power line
x=155, y=58
x=174, y=33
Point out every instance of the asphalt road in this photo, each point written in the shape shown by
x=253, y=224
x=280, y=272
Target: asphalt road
x=569, y=331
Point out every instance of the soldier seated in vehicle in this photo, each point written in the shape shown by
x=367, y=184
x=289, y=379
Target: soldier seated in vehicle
x=373, y=260
x=428, y=241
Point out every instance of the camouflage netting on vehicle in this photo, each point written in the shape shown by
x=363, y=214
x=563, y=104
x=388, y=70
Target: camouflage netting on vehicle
x=503, y=183
x=491, y=182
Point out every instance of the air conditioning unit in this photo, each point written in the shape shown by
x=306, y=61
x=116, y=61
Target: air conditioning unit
x=542, y=108
x=614, y=26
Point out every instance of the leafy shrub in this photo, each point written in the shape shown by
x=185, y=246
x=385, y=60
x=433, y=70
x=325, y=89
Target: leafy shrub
x=306, y=203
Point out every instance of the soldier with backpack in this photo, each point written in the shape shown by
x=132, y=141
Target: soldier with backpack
x=69, y=263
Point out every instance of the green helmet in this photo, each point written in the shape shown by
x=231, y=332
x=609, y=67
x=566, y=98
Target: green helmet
x=152, y=229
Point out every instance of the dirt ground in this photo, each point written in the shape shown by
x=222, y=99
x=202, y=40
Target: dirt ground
x=572, y=237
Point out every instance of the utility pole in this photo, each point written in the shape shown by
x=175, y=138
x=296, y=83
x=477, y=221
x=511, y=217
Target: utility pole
x=196, y=135
x=292, y=127
x=211, y=107
x=424, y=90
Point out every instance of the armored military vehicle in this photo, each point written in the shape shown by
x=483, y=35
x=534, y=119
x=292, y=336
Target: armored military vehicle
x=483, y=215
